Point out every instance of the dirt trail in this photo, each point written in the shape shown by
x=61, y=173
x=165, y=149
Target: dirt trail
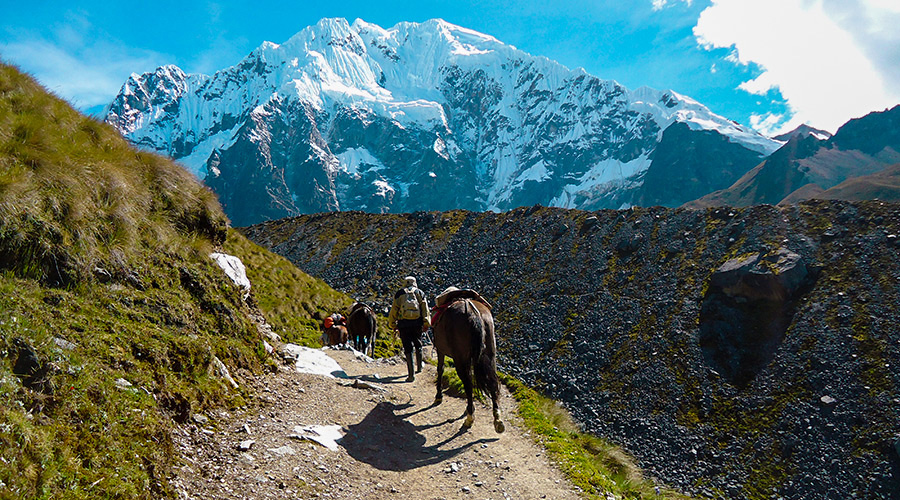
x=397, y=444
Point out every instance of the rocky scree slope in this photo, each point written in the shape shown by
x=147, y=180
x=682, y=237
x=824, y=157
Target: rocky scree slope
x=743, y=353
x=358, y=117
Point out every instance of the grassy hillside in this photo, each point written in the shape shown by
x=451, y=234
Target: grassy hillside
x=104, y=275
x=293, y=302
x=112, y=314
x=884, y=185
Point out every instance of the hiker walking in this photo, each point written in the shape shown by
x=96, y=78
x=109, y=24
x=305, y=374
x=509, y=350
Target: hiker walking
x=410, y=316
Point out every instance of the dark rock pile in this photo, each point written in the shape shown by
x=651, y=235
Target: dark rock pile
x=738, y=353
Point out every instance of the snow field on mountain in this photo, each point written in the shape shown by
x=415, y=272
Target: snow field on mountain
x=503, y=114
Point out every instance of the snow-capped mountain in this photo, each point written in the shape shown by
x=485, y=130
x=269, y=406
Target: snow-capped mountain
x=420, y=116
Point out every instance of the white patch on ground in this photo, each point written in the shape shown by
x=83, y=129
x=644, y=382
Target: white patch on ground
x=283, y=450
x=314, y=361
x=326, y=435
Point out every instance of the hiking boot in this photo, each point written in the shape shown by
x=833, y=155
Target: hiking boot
x=418, y=360
x=409, y=368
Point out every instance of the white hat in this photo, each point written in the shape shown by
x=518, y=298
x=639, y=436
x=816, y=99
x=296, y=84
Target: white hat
x=410, y=281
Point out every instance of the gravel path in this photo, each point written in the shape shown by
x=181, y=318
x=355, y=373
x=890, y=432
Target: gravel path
x=396, y=443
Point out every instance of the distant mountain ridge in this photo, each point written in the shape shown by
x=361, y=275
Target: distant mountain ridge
x=809, y=166
x=421, y=116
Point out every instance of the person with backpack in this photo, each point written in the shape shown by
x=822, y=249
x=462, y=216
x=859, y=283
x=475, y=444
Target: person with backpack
x=410, y=317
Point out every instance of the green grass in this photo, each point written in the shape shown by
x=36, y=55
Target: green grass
x=106, y=248
x=79, y=436
x=451, y=382
x=592, y=464
x=294, y=303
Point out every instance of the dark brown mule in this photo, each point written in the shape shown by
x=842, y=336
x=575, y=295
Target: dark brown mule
x=361, y=326
x=336, y=335
x=464, y=330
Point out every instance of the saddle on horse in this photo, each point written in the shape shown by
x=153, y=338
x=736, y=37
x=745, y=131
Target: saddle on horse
x=451, y=295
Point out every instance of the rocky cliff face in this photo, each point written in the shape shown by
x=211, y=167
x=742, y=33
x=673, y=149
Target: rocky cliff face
x=420, y=116
x=745, y=353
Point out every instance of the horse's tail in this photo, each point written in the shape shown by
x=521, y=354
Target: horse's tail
x=373, y=327
x=482, y=364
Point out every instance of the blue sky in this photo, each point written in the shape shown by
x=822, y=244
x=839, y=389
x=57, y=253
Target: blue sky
x=771, y=64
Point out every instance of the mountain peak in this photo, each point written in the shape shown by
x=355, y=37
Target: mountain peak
x=803, y=131
x=377, y=115
x=459, y=31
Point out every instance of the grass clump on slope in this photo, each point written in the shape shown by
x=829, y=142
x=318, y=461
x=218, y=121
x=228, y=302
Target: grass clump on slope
x=112, y=314
x=75, y=195
x=592, y=464
x=294, y=303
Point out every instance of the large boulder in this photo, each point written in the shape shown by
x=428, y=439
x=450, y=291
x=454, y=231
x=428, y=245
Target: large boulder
x=747, y=308
x=775, y=276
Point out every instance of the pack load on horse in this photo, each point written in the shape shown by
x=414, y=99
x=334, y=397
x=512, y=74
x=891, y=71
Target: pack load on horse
x=464, y=330
x=410, y=317
x=361, y=327
x=335, y=330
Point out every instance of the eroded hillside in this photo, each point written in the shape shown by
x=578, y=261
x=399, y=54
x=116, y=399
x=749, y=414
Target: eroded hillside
x=738, y=353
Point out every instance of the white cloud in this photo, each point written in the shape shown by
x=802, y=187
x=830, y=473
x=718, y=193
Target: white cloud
x=827, y=58
x=661, y=4
x=768, y=123
x=77, y=62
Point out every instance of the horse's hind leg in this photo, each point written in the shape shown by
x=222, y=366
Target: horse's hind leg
x=464, y=370
x=495, y=397
x=440, y=375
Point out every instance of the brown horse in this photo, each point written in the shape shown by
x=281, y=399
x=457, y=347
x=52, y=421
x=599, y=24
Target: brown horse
x=361, y=327
x=336, y=335
x=464, y=330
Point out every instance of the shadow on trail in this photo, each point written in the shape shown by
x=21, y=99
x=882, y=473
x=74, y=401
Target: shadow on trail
x=398, y=379
x=386, y=441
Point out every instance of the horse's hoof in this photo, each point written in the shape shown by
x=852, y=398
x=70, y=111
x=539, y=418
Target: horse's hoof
x=438, y=400
x=469, y=421
x=499, y=427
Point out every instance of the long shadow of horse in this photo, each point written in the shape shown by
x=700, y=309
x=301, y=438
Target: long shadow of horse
x=386, y=441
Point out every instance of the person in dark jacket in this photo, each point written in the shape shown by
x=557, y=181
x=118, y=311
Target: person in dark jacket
x=410, y=317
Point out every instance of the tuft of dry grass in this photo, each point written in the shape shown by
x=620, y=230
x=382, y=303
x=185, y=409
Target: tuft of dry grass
x=72, y=191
